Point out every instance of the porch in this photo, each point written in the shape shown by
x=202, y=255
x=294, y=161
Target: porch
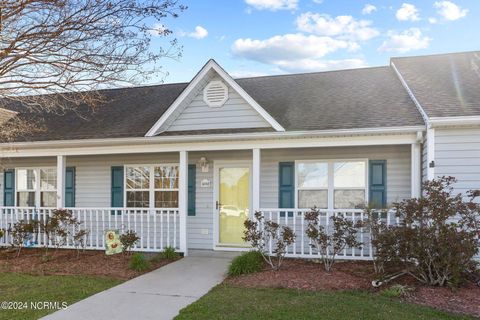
x=159, y=225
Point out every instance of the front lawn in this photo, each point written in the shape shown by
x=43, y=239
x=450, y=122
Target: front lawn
x=230, y=302
x=16, y=287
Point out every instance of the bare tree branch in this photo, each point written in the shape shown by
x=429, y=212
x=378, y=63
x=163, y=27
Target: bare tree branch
x=50, y=48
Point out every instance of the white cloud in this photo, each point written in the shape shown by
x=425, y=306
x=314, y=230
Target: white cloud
x=411, y=39
x=273, y=5
x=449, y=10
x=318, y=1
x=342, y=27
x=407, y=12
x=199, y=33
x=369, y=8
x=432, y=20
x=296, y=52
x=309, y=65
x=289, y=46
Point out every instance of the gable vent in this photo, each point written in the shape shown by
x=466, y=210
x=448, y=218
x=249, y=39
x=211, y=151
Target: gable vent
x=215, y=94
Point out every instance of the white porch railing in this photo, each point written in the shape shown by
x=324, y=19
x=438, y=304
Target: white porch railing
x=301, y=248
x=157, y=228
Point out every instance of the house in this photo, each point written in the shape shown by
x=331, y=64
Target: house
x=184, y=164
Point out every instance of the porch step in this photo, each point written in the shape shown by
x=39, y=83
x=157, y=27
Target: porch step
x=213, y=254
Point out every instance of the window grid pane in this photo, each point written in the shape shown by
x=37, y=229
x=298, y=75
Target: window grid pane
x=349, y=199
x=166, y=199
x=138, y=177
x=26, y=179
x=313, y=198
x=138, y=199
x=48, y=179
x=313, y=175
x=349, y=174
x=48, y=199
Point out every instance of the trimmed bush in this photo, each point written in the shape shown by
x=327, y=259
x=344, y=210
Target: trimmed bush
x=169, y=253
x=138, y=263
x=248, y=262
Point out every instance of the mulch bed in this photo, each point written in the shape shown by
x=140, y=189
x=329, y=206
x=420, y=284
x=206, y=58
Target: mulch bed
x=357, y=275
x=66, y=262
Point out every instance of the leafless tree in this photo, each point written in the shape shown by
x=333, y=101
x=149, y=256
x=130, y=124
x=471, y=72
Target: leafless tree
x=51, y=48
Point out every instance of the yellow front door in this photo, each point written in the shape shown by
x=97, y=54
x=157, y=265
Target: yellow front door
x=233, y=204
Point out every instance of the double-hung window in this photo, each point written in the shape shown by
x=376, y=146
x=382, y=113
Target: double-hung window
x=36, y=187
x=151, y=186
x=349, y=184
x=331, y=184
x=312, y=180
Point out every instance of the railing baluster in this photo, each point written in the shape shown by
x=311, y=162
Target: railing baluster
x=175, y=217
x=161, y=230
x=155, y=230
x=168, y=228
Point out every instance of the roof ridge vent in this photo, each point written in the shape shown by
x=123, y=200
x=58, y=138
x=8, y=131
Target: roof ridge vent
x=215, y=94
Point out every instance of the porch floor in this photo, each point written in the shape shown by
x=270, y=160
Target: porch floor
x=160, y=294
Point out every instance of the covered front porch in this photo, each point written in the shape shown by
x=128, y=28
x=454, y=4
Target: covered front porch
x=195, y=209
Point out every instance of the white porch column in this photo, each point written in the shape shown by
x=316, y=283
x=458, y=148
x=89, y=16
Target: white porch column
x=61, y=166
x=183, y=200
x=256, y=179
x=416, y=170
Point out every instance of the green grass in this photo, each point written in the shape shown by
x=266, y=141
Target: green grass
x=227, y=302
x=28, y=288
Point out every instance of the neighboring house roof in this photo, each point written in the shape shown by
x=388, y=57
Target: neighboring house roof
x=445, y=85
x=346, y=99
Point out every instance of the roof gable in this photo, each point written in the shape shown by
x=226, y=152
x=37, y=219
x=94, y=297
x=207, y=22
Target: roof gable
x=190, y=112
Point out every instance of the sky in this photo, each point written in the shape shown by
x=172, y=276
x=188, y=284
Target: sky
x=269, y=37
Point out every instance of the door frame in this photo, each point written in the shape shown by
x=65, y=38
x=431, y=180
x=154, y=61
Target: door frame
x=217, y=164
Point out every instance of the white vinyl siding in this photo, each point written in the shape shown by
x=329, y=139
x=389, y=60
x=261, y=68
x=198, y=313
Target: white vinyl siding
x=236, y=113
x=457, y=154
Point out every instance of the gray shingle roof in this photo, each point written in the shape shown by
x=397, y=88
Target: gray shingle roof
x=360, y=98
x=445, y=85
x=346, y=99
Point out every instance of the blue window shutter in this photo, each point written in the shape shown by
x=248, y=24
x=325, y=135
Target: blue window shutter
x=378, y=183
x=191, y=188
x=117, y=187
x=9, y=188
x=70, y=187
x=286, y=186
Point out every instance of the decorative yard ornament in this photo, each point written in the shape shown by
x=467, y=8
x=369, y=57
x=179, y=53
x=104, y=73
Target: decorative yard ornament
x=112, y=242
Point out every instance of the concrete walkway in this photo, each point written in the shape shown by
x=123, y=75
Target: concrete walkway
x=159, y=294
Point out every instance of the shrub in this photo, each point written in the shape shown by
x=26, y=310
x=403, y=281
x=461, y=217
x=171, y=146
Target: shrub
x=169, y=253
x=128, y=240
x=138, y=262
x=248, y=262
x=437, y=237
x=2, y=233
x=79, y=240
x=330, y=243
x=58, y=229
x=22, y=232
x=384, y=242
x=260, y=232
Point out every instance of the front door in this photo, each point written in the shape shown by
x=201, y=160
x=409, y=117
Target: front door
x=233, y=202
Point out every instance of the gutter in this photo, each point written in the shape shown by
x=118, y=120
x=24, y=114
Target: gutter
x=213, y=137
x=454, y=121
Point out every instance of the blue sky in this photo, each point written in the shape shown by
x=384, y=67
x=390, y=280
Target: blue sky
x=264, y=37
